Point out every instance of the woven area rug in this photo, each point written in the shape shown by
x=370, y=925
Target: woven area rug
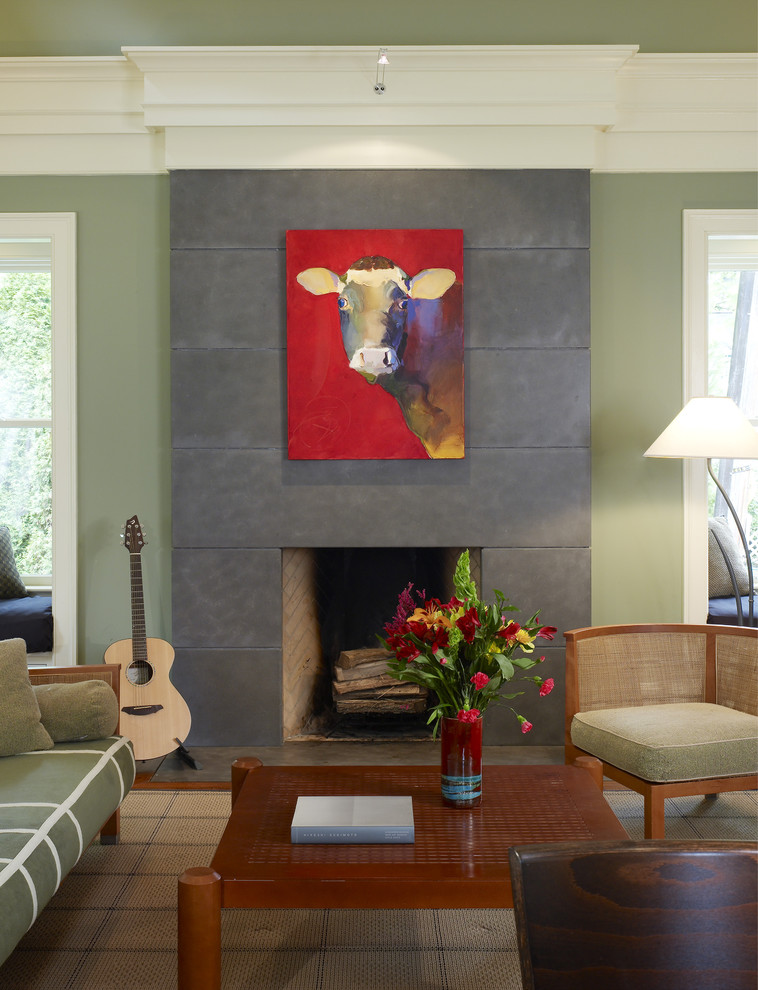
x=112, y=924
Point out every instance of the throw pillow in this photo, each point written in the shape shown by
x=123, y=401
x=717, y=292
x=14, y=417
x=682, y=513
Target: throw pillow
x=11, y=585
x=20, y=727
x=719, y=582
x=78, y=711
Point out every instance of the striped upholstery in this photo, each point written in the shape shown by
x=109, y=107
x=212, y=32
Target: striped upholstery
x=52, y=805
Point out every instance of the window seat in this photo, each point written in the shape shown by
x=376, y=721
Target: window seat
x=30, y=619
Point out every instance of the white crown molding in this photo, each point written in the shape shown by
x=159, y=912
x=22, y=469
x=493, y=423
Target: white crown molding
x=607, y=108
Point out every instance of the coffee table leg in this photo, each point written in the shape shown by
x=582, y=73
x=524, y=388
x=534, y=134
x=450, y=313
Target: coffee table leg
x=199, y=929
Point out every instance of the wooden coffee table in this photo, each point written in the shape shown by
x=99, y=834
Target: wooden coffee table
x=459, y=858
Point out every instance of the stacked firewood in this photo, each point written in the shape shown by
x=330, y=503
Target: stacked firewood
x=362, y=685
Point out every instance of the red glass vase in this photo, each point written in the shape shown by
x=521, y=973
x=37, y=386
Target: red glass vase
x=461, y=762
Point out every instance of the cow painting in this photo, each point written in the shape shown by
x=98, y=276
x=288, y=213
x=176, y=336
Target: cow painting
x=395, y=337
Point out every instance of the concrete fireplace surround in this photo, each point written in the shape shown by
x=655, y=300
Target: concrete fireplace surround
x=521, y=494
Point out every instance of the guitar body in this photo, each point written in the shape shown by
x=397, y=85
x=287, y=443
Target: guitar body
x=153, y=713
x=154, y=733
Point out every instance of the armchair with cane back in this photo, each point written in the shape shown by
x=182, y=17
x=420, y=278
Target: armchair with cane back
x=669, y=709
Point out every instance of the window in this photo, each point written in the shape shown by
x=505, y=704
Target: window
x=37, y=409
x=721, y=358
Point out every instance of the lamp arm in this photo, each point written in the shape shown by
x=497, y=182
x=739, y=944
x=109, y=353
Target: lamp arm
x=741, y=531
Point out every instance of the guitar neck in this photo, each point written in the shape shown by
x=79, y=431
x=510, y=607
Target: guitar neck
x=139, y=640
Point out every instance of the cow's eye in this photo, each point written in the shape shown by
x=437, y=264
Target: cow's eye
x=342, y=302
x=402, y=303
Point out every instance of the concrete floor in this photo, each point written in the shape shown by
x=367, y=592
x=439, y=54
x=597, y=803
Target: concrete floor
x=215, y=761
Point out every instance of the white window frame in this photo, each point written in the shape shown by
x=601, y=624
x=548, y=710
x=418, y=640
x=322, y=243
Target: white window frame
x=61, y=229
x=698, y=225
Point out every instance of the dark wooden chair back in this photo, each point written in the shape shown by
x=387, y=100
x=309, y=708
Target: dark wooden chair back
x=653, y=915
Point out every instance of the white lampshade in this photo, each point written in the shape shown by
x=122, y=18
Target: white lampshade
x=708, y=427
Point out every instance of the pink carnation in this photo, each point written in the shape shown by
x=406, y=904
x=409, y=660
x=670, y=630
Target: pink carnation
x=526, y=726
x=479, y=680
x=546, y=687
x=468, y=716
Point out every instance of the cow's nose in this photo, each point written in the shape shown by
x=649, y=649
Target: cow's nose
x=375, y=360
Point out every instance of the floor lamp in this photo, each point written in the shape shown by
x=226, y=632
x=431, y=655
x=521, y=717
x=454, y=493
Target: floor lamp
x=713, y=428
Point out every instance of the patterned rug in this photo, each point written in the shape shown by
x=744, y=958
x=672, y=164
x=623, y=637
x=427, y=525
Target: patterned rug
x=112, y=924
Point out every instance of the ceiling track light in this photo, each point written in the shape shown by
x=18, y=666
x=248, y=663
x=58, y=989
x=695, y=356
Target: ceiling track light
x=381, y=63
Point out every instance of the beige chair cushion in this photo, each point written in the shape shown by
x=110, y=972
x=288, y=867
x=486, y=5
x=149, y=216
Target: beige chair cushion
x=21, y=730
x=693, y=741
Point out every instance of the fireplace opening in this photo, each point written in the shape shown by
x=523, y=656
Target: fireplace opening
x=336, y=601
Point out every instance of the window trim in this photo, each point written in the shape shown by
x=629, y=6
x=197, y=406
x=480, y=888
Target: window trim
x=698, y=225
x=61, y=229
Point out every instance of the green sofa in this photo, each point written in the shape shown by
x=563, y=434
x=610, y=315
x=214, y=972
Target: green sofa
x=63, y=784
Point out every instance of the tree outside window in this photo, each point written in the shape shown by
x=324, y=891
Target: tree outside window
x=26, y=417
x=733, y=364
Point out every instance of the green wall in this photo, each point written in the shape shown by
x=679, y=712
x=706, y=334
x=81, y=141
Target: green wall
x=88, y=27
x=636, y=279
x=124, y=439
x=124, y=401
x=123, y=345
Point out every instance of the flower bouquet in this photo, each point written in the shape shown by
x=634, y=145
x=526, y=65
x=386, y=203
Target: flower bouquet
x=464, y=650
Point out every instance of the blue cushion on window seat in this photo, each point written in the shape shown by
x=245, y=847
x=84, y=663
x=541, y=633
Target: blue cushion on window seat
x=723, y=611
x=30, y=619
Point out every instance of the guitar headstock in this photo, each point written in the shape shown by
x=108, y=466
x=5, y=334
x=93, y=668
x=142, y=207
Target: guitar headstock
x=133, y=537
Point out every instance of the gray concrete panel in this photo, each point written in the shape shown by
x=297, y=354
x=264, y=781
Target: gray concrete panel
x=227, y=598
x=536, y=497
x=227, y=398
x=528, y=398
x=547, y=714
x=234, y=696
x=495, y=208
x=228, y=298
x=555, y=580
x=526, y=298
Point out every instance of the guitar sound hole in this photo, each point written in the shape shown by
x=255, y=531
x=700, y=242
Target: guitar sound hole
x=139, y=672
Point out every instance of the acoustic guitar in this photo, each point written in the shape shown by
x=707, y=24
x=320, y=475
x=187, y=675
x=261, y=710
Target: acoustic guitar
x=153, y=714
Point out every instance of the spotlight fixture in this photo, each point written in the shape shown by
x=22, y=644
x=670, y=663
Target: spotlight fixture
x=381, y=62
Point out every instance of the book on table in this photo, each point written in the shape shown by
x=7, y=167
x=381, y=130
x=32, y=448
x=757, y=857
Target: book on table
x=346, y=818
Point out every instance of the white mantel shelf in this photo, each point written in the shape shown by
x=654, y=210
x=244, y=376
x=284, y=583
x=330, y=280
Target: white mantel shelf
x=605, y=108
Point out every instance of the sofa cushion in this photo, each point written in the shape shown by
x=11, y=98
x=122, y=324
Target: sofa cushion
x=11, y=585
x=693, y=741
x=52, y=805
x=78, y=711
x=719, y=580
x=20, y=726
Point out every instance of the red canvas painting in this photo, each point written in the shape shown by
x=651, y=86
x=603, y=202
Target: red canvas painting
x=375, y=344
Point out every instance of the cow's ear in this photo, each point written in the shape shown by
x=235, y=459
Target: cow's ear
x=431, y=283
x=319, y=281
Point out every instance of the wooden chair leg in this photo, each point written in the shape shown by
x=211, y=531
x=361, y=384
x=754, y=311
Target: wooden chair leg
x=593, y=766
x=655, y=823
x=111, y=830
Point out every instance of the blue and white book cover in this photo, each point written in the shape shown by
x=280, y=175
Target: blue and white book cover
x=346, y=818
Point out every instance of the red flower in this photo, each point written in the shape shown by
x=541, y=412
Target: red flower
x=526, y=726
x=469, y=716
x=479, y=680
x=440, y=640
x=546, y=687
x=468, y=624
x=509, y=632
x=547, y=632
x=402, y=649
